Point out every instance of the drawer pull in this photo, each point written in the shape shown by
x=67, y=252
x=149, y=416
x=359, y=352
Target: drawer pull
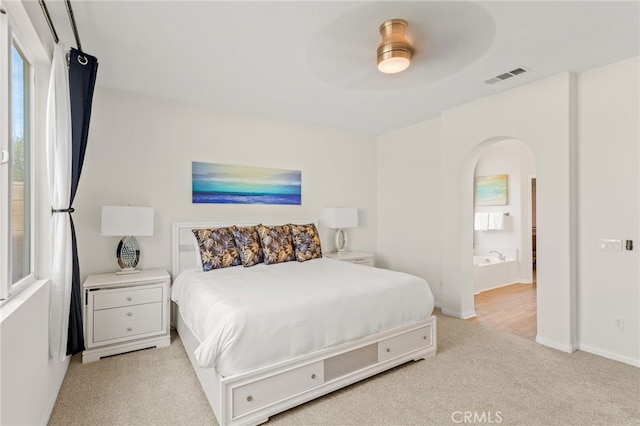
x=129, y=314
x=249, y=398
x=388, y=349
x=313, y=376
x=424, y=337
x=129, y=299
x=129, y=329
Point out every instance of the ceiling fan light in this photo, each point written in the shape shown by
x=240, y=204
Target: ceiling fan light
x=394, y=52
x=393, y=62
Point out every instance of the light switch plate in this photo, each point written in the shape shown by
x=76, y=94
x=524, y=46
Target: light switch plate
x=605, y=244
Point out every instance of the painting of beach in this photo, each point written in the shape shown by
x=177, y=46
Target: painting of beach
x=230, y=184
x=491, y=190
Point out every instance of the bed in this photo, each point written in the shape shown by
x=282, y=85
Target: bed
x=266, y=338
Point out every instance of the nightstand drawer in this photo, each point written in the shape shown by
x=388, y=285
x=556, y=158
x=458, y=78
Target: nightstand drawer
x=362, y=261
x=126, y=297
x=357, y=257
x=117, y=323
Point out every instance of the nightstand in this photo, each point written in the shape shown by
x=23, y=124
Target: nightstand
x=358, y=257
x=124, y=313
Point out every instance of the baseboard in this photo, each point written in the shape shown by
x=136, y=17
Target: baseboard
x=556, y=345
x=462, y=315
x=498, y=286
x=54, y=396
x=609, y=355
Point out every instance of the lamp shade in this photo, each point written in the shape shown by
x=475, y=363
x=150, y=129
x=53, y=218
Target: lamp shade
x=343, y=217
x=127, y=220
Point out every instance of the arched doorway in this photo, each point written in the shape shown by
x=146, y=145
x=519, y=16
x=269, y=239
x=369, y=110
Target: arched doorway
x=503, y=251
x=541, y=115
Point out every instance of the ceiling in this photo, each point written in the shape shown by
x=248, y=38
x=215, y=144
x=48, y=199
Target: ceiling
x=315, y=61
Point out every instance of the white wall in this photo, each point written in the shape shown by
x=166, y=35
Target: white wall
x=608, y=202
x=584, y=136
x=140, y=152
x=409, y=202
x=30, y=379
x=515, y=159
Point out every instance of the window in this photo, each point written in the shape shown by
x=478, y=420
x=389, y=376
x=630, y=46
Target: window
x=20, y=167
x=16, y=174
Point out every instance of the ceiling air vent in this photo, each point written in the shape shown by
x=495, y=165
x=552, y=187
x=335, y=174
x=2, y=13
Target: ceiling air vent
x=506, y=75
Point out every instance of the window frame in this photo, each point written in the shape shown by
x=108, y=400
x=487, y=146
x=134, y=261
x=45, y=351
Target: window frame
x=10, y=36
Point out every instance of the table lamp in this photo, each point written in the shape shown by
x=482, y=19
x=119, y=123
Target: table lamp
x=128, y=222
x=339, y=219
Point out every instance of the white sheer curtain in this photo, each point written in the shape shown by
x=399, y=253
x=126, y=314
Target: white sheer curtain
x=59, y=151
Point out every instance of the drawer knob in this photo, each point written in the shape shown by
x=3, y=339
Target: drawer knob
x=129, y=329
x=249, y=398
x=129, y=298
x=313, y=376
x=388, y=349
x=129, y=314
x=424, y=337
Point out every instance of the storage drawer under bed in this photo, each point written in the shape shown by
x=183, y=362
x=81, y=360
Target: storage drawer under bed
x=405, y=343
x=255, y=395
x=260, y=393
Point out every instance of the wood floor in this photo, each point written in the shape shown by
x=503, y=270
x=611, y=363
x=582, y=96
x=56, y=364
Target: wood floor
x=510, y=308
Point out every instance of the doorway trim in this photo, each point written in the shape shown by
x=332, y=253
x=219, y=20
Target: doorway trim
x=531, y=177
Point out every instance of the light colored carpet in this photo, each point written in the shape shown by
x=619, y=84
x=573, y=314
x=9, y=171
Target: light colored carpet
x=490, y=376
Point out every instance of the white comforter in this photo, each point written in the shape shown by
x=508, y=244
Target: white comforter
x=246, y=318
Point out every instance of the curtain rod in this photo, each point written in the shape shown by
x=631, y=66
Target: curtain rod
x=49, y=22
x=72, y=19
x=73, y=24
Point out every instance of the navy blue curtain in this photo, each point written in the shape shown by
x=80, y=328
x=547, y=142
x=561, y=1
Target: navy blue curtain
x=83, y=69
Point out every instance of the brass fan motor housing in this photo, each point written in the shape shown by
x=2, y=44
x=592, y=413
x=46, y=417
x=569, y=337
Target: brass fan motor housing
x=394, y=43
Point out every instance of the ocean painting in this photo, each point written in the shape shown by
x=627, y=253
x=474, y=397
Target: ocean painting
x=229, y=184
x=491, y=190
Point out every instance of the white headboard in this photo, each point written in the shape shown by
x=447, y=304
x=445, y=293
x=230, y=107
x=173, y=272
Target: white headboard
x=183, y=253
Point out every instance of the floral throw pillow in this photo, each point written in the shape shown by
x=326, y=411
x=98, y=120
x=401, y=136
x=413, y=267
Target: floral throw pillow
x=248, y=243
x=217, y=248
x=277, y=245
x=306, y=242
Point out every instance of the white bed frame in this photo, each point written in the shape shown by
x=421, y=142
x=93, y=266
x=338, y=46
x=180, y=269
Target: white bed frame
x=250, y=398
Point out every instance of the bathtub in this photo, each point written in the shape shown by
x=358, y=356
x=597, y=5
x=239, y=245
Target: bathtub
x=491, y=272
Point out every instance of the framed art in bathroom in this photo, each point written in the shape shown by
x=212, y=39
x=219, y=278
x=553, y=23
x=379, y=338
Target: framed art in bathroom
x=492, y=190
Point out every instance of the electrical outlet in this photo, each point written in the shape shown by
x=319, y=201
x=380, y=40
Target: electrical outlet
x=629, y=245
x=618, y=323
